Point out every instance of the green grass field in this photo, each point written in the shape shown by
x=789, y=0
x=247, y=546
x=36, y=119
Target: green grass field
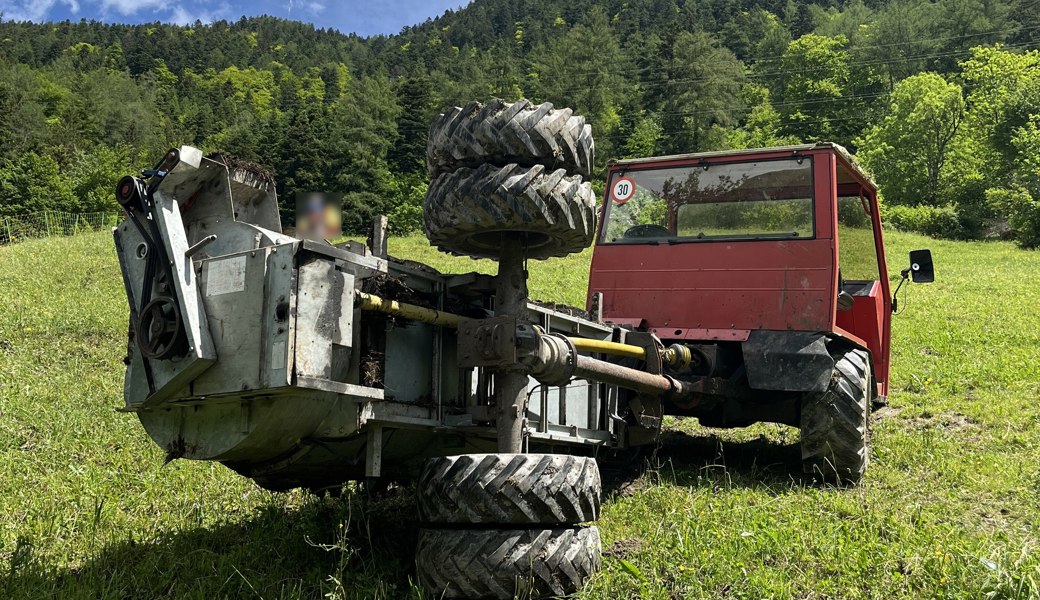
x=950, y=507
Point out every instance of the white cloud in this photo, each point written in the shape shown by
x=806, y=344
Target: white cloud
x=185, y=13
x=182, y=16
x=309, y=7
x=129, y=7
x=32, y=10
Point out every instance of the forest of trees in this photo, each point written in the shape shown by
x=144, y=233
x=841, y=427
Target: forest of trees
x=939, y=99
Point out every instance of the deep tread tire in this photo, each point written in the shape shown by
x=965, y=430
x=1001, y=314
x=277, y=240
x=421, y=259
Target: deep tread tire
x=510, y=489
x=507, y=563
x=835, y=437
x=466, y=212
x=502, y=133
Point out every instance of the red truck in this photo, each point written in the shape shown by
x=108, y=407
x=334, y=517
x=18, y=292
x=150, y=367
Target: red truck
x=770, y=266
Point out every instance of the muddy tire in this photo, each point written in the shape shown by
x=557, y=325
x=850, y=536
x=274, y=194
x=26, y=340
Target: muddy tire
x=510, y=489
x=468, y=211
x=502, y=133
x=835, y=437
x=507, y=563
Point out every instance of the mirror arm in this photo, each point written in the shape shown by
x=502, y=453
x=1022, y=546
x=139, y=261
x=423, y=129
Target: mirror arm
x=895, y=295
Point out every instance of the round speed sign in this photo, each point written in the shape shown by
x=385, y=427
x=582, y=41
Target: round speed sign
x=623, y=190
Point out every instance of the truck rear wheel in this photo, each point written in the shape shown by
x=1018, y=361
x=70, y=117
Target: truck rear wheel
x=507, y=563
x=468, y=211
x=502, y=133
x=510, y=489
x=834, y=423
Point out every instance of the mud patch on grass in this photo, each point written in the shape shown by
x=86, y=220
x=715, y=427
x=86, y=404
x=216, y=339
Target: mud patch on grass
x=949, y=421
x=626, y=484
x=623, y=548
x=885, y=413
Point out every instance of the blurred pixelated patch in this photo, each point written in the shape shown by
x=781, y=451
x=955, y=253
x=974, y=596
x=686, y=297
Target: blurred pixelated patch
x=319, y=215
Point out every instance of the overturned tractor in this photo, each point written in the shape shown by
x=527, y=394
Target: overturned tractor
x=304, y=364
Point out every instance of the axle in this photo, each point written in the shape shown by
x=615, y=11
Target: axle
x=556, y=359
x=510, y=386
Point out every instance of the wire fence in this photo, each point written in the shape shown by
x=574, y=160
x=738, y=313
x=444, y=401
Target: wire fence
x=52, y=223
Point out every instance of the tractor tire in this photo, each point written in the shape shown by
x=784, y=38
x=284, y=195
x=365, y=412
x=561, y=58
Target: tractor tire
x=835, y=437
x=507, y=563
x=467, y=212
x=502, y=133
x=510, y=489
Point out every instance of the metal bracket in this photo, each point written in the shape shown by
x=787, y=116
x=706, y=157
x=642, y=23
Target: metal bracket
x=596, y=307
x=647, y=410
x=653, y=347
x=487, y=342
x=377, y=237
x=374, y=452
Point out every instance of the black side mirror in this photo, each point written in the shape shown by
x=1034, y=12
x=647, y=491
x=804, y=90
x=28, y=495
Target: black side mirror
x=921, y=268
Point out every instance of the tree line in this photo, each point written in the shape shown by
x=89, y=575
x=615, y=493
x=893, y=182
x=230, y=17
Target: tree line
x=939, y=99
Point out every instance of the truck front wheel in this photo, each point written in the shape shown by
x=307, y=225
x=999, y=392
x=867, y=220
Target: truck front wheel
x=834, y=423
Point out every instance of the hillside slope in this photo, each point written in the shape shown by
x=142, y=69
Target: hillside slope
x=948, y=509
x=83, y=103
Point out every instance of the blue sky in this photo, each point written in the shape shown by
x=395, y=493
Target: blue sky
x=366, y=17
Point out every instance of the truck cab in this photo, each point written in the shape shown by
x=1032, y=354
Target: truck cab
x=769, y=263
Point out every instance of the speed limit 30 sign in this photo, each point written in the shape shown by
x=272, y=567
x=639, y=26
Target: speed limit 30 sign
x=623, y=190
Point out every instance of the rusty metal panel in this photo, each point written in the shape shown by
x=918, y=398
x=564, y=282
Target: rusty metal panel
x=324, y=320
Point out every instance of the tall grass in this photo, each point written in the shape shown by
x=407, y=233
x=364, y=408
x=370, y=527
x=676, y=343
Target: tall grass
x=949, y=507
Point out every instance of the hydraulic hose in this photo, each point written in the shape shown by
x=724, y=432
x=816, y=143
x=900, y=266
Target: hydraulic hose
x=675, y=355
x=412, y=312
x=555, y=359
x=611, y=348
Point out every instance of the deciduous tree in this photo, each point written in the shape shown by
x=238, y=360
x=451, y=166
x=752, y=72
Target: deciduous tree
x=908, y=150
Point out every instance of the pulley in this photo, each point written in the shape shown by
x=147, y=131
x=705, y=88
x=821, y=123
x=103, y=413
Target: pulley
x=160, y=329
x=130, y=192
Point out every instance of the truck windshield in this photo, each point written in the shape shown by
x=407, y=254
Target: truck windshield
x=769, y=199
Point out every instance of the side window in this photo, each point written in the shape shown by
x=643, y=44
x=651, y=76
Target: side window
x=857, y=254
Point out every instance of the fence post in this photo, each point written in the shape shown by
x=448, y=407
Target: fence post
x=46, y=224
x=7, y=225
